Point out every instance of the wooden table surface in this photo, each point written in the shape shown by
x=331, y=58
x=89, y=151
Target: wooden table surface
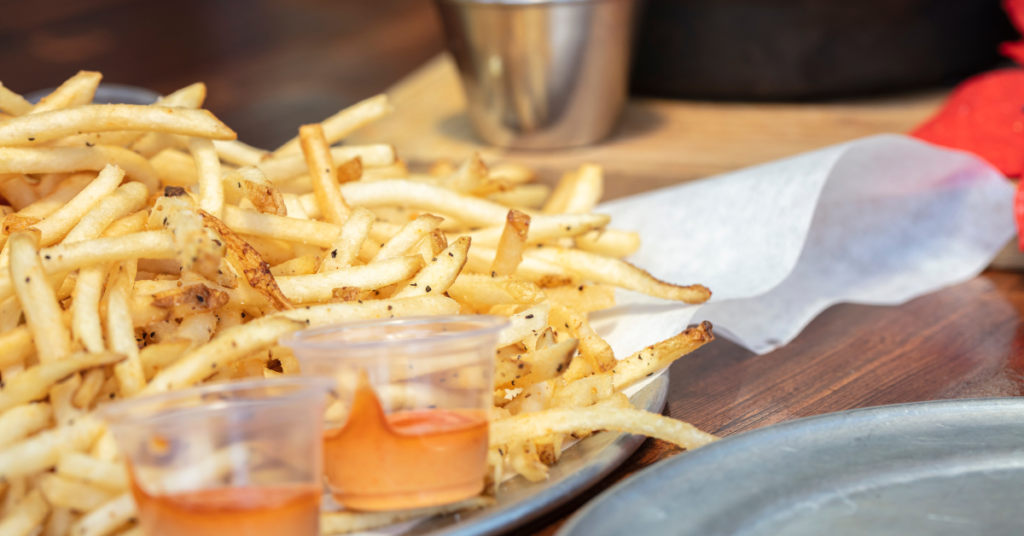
x=274, y=64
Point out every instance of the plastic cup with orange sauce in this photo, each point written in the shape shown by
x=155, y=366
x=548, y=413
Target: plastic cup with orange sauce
x=408, y=424
x=229, y=458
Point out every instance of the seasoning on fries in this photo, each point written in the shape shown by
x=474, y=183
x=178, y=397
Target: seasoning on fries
x=144, y=249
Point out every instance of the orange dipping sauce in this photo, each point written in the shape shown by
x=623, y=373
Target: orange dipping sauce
x=250, y=511
x=408, y=459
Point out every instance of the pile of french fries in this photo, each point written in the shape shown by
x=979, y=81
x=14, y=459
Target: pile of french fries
x=146, y=250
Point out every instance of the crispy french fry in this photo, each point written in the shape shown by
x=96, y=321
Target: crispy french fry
x=609, y=242
x=319, y=315
x=343, y=123
x=619, y=273
x=524, y=196
x=583, y=298
x=69, y=159
x=567, y=421
x=545, y=364
x=525, y=460
x=92, y=382
x=511, y=244
x=64, y=411
x=349, y=240
x=107, y=518
x=211, y=189
x=304, y=265
x=22, y=421
x=439, y=274
x=107, y=475
x=35, y=382
x=349, y=522
x=120, y=332
x=12, y=103
x=55, y=226
x=26, y=516
x=407, y=237
x=239, y=153
x=315, y=287
x=75, y=91
x=127, y=199
x=229, y=345
x=35, y=129
x=660, y=355
x=323, y=174
x=545, y=228
x=595, y=349
x=157, y=357
x=66, y=493
x=524, y=324
x=41, y=451
x=42, y=312
x=483, y=290
x=289, y=167
x=85, y=316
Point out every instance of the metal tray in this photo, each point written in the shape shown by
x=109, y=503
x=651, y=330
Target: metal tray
x=935, y=468
x=581, y=466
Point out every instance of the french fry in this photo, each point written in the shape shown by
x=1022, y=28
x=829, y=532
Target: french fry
x=419, y=196
x=92, y=382
x=619, y=273
x=592, y=347
x=545, y=228
x=658, y=356
x=583, y=298
x=17, y=192
x=251, y=183
x=284, y=168
x=439, y=274
x=524, y=324
x=12, y=103
x=343, y=123
x=543, y=273
x=304, y=265
x=323, y=174
x=211, y=189
x=483, y=290
x=238, y=153
x=545, y=364
x=127, y=199
x=348, y=522
x=55, y=226
x=26, y=516
x=229, y=345
x=70, y=159
x=609, y=242
x=525, y=460
x=110, y=476
x=583, y=392
x=319, y=315
x=156, y=357
x=316, y=233
x=525, y=196
x=107, y=518
x=64, y=411
x=86, y=327
x=75, y=91
x=511, y=244
x=66, y=493
x=22, y=421
x=567, y=421
x=15, y=346
x=34, y=129
x=42, y=312
x=407, y=237
x=41, y=451
x=316, y=287
x=346, y=246
x=120, y=332
x=35, y=382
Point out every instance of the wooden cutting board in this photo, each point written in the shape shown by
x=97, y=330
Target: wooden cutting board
x=657, y=143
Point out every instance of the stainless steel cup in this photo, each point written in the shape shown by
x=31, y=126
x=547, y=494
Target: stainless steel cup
x=541, y=74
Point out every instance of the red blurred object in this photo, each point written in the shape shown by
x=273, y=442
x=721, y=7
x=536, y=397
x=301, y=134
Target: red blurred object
x=984, y=115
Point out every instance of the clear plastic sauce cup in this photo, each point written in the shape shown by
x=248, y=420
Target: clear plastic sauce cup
x=229, y=458
x=408, y=424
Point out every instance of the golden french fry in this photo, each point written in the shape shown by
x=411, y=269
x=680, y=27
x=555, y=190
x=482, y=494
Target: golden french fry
x=64, y=411
x=483, y=290
x=239, y=153
x=545, y=228
x=92, y=382
x=439, y=274
x=55, y=226
x=511, y=244
x=42, y=312
x=304, y=265
x=107, y=518
x=41, y=451
x=583, y=298
x=22, y=421
x=323, y=174
x=85, y=316
x=12, y=103
x=66, y=493
x=284, y=168
x=315, y=287
x=197, y=329
x=609, y=242
x=229, y=345
x=317, y=233
x=349, y=240
x=545, y=364
x=566, y=421
x=583, y=392
x=35, y=129
x=595, y=349
x=658, y=356
x=211, y=189
x=17, y=192
x=348, y=522
x=407, y=237
x=157, y=357
x=525, y=460
x=559, y=199
x=587, y=189
x=69, y=159
x=127, y=199
x=524, y=324
x=469, y=178
x=75, y=91
x=251, y=183
x=343, y=123
x=120, y=331
x=35, y=382
x=15, y=346
x=543, y=273
x=319, y=315
x=619, y=273
x=524, y=196
x=26, y=516
x=107, y=475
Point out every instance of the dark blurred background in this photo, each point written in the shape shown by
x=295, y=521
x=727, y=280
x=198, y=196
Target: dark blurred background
x=269, y=64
